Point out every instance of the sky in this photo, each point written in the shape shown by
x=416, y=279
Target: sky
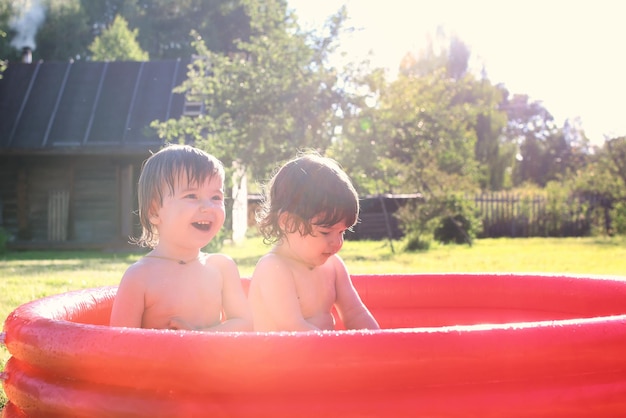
x=571, y=56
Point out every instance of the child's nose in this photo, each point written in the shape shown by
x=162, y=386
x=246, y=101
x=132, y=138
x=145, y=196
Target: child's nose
x=208, y=204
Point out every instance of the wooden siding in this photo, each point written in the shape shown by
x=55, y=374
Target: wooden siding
x=95, y=203
x=9, y=174
x=92, y=188
x=377, y=219
x=58, y=214
x=41, y=179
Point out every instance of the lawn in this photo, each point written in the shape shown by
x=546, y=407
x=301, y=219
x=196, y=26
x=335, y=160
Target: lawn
x=25, y=276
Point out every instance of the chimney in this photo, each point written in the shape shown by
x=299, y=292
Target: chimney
x=27, y=55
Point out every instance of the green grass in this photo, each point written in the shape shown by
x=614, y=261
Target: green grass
x=25, y=276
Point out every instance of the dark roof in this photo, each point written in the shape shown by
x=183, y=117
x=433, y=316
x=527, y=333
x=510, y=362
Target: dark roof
x=87, y=107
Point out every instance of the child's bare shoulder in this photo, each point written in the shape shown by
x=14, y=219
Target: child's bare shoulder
x=272, y=267
x=139, y=268
x=223, y=263
x=137, y=273
x=272, y=260
x=217, y=259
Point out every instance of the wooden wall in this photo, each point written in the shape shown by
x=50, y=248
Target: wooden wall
x=99, y=190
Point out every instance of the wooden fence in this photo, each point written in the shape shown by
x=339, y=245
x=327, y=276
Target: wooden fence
x=503, y=214
x=515, y=215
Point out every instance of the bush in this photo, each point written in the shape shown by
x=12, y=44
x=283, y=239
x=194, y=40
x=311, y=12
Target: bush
x=216, y=243
x=416, y=243
x=453, y=229
x=460, y=225
x=619, y=218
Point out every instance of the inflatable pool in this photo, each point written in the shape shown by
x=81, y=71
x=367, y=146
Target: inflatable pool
x=452, y=345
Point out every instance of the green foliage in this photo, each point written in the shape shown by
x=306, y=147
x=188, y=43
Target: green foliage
x=7, y=52
x=461, y=225
x=3, y=63
x=565, y=214
x=70, y=26
x=616, y=149
x=432, y=126
x=416, y=242
x=65, y=34
x=263, y=104
x=602, y=183
x=618, y=215
x=217, y=243
x=544, y=152
x=164, y=25
x=117, y=43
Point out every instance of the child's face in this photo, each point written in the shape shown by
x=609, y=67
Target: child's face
x=192, y=215
x=316, y=248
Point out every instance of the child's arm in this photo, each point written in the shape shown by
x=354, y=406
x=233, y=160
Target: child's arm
x=350, y=308
x=275, y=296
x=129, y=303
x=238, y=316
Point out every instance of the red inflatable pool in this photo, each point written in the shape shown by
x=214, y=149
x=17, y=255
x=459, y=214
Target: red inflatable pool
x=453, y=345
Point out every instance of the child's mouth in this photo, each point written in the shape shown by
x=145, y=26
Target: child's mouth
x=202, y=226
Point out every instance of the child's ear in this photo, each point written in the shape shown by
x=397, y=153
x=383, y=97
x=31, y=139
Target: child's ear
x=289, y=222
x=282, y=219
x=153, y=216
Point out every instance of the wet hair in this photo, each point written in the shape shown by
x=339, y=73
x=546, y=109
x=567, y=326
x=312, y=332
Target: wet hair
x=309, y=188
x=160, y=174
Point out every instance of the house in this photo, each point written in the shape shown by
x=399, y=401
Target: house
x=73, y=137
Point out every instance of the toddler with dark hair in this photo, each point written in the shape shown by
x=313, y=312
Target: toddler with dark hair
x=309, y=204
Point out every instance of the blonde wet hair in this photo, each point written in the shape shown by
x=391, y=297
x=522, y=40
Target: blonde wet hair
x=160, y=174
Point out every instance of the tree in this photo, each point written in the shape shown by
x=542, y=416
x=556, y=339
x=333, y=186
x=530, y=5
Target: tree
x=65, y=34
x=451, y=55
x=545, y=152
x=70, y=26
x=616, y=149
x=6, y=11
x=3, y=64
x=276, y=96
x=435, y=130
x=433, y=57
x=601, y=183
x=361, y=146
x=419, y=137
x=164, y=26
x=117, y=43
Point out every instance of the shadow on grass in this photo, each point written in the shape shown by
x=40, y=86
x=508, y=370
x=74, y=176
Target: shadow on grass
x=619, y=241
